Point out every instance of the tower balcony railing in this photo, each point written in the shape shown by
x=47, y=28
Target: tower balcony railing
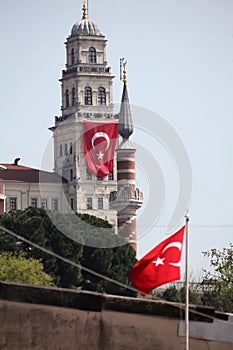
x=85, y=69
x=94, y=69
x=69, y=71
x=126, y=194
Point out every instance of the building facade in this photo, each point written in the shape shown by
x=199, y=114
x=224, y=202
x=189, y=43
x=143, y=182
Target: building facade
x=22, y=187
x=86, y=99
x=86, y=93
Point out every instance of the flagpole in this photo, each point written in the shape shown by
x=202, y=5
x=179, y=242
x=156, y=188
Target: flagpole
x=187, y=217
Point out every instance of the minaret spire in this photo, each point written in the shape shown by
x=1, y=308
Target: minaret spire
x=125, y=127
x=127, y=199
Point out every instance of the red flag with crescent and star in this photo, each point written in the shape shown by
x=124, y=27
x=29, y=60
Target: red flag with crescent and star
x=161, y=265
x=99, y=145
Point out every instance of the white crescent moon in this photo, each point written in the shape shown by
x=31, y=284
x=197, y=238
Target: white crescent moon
x=176, y=245
x=100, y=134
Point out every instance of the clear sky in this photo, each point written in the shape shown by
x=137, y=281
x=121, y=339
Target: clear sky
x=180, y=65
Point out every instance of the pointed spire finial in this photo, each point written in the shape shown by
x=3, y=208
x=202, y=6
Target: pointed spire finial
x=85, y=11
x=124, y=72
x=125, y=126
x=123, y=75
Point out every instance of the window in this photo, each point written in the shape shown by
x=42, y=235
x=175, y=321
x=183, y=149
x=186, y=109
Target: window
x=100, y=203
x=73, y=96
x=72, y=56
x=34, y=202
x=88, y=95
x=54, y=204
x=72, y=203
x=101, y=96
x=66, y=149
x=13, y=203
x=92, y=55
x=111, y=176
x=44, y=203
x=71, y=148
x=67, y=99
x=60, y=150
x=89, y=203
x=99, y=178
x=88, y=175
x=71, y=174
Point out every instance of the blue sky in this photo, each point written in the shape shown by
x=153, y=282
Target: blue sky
x=180, y=65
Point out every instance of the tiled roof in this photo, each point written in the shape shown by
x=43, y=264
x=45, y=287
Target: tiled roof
x=20, y=173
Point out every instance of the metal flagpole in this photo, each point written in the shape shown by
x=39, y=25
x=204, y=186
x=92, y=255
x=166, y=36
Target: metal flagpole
x=187, y=217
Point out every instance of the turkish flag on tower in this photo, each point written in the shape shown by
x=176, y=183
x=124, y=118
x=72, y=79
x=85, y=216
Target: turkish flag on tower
x=161, y=265
x=99, y=145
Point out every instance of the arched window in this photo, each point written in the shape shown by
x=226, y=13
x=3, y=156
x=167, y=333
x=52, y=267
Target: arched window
x=88, y=95
x=72, y=56
x=101, y=96
x=67, y=99
x=92, y=55
x=73, y=96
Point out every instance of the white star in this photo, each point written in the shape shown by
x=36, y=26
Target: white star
x=159, y=261
x=100, y=155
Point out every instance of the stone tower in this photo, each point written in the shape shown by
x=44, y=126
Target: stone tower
x=127, y=199
x=86, y=89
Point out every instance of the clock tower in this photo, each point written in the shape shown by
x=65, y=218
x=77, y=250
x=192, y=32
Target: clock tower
x=86, y=91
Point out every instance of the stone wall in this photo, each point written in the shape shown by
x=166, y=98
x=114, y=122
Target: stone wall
x=38, y=318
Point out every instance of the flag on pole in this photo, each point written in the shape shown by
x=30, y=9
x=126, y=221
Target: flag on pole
x=99, y=145
x=161, y=265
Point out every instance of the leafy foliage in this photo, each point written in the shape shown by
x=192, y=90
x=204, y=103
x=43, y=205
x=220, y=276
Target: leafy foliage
x=216, y=288
x=73, y=236
x=35, y=225
x=178, y=295
x=114, y=263
x=171, y=294
x=22, y=270
x=218, y=284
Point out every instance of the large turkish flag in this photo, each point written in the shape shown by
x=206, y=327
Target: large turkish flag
x=99, y=145
x=161, y=265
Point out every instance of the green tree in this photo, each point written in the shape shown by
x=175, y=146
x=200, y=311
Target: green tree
x=22, y=270
x=112, y=262
x=124, y=257
x=35, y=225
x=73, y=236
x=178, y=295
x=218, y=283
x=171, y=294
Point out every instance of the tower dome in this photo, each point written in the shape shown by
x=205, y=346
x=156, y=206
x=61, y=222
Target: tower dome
x=85, y=27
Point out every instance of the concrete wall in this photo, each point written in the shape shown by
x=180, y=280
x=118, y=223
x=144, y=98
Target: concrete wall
x=79, y=320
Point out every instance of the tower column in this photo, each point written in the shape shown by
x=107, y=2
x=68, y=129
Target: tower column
x=86, y=87
x=127, y=199
x=126, y=167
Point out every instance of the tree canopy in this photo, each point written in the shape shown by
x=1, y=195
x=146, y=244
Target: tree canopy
x=35, y=225
x=22, y=270
x=218, y=282
x=82, y=231
x=216, y=287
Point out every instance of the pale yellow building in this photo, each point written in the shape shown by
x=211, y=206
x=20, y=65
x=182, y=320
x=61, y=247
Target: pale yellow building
x=22, y=186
